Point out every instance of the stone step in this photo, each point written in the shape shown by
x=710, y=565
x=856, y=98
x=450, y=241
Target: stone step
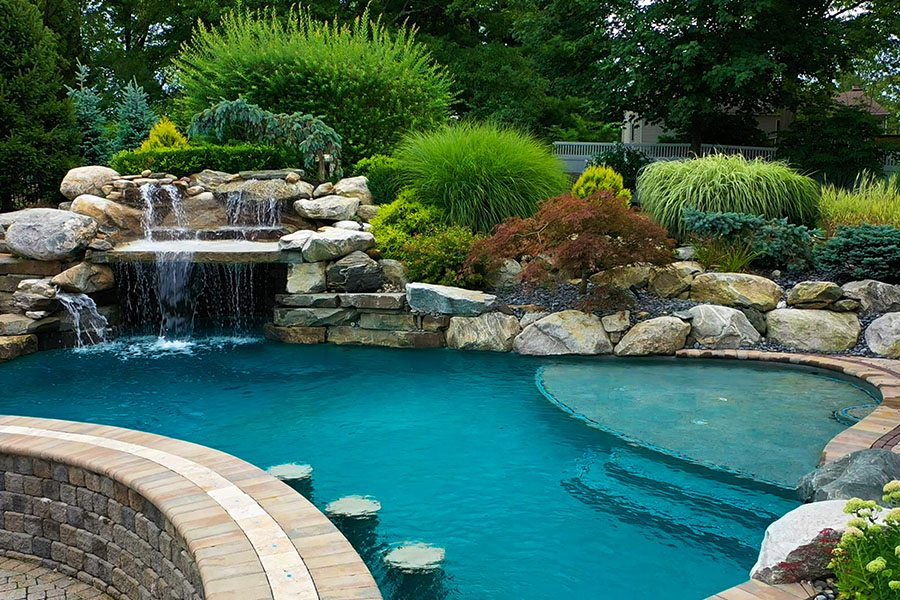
x=393, y=339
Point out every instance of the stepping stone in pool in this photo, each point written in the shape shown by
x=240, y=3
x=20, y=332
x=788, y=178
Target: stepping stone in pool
x=413, y=558
x=354, y=507
x=291, y=472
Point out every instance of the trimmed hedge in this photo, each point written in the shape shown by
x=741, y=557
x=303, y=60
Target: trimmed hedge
x=193, y=159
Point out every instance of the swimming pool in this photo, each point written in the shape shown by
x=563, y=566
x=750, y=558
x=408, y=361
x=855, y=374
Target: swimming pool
x=462, y=450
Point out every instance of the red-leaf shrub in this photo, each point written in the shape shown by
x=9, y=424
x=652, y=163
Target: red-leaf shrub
x=575, y=237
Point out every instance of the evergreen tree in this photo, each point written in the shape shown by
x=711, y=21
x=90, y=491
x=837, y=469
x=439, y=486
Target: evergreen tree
x=90, y=119
x=136, y=118
x=36, y=121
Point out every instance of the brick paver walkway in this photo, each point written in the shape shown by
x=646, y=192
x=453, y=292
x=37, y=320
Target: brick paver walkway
x=27, y=581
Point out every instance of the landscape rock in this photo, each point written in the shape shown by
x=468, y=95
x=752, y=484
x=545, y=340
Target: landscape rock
x=306, y=278
x=883, y=335
x=23, y=325
x=212, y=179
x=662, y=335
x=626, y=277
x=505, y=276
x=393, y=339
x=348, y=225
x=736, y=289
x=86, y=278
x=814, y=294
x=382, y=301
x=797, y=547
x=441, y=299
x=356, y=272
x=721, y=327
x=367, y=212
x=354, y=187
x=532, y=317
x=874, y=296
x=14, y=346
x=86, y=180
x=308, y=300
x=289, y=175
x=296, y=240
x=846, y=305
x=295, y=335
x=314, y=317
x=332, y=244
x=202, y=211
x=490, y=331
x=756, y=318
x=861, y=474
x=813, y=330
x=35, y=294
x=323, y=189
x=617, y=322
x=566, y=332
x=48, y=234
x=328, y=208
x=675, y=279
x=109, y=213
x=268, y=189
x=394, y=273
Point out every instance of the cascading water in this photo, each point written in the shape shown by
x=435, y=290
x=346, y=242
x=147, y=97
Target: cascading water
x=90, y=326
x=250, y=217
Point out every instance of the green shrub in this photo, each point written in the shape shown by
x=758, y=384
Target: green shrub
x=732, y=241
x=863, y=252
x=193, y=159
x=601, y=179
x=370, y=83
x=866, y=562
x=720, y=183
x=136, y=118
x=625, y=160
x=164, y=135
x=383, y=173
x=397, y=223
x=480, y=174
x=439, y=258
x=873, y=200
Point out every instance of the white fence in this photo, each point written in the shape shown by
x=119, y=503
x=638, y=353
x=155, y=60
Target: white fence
x=892, y=164
x=575, y=155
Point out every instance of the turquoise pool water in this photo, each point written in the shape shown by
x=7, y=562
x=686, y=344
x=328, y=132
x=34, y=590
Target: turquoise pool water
x=462, y=450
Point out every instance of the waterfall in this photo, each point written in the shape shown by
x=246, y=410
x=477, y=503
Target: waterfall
x=252, y=213
x=150, y=194
x=90, y=326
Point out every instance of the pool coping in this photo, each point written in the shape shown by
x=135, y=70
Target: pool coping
x=252, y=536
x=880, y=429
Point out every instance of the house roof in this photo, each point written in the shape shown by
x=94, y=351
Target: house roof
x=857, y=97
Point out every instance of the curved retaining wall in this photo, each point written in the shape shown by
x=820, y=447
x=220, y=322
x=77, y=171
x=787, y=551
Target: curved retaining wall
x=141, y=516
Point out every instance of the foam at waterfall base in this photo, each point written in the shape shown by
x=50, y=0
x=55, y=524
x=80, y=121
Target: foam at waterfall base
x=159, y=347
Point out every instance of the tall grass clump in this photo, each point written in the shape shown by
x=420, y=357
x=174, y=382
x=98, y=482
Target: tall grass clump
x=369, y=83
x=731, y=184
x=872, y=200
x=479, y=174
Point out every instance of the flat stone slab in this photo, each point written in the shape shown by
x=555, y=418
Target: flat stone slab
x=393, y=339
x=314, y=317
x=290, y=471
x=308, y=300
x=441, y=299
x=294, y=335
x=13, y=265
x=413, y=558
x=198, y=251
x=354, y=507
x=375, y=301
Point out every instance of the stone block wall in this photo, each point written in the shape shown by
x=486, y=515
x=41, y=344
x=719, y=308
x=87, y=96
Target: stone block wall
x=93, y=528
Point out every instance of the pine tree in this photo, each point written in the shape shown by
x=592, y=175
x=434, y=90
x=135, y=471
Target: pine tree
x=136, y=118
x=37, y=125
x=90, y=119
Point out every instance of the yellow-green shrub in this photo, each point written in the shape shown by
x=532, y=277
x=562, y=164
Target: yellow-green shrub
x=601, y=178
x=164, y=135
x=873, y=200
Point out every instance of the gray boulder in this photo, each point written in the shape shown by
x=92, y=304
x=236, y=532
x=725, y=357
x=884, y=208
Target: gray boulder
x=306, y=278
x=296, y=240
x=394, y=273
x=883, y=335
x=86, y=278
x=35, y=295
x=662, y=335
x=50, y=234
x=566, y=332
x=505, y=276
x=356, y=272
x=354, y=187
x=328, y=208
x=721, y=327
x=331, y=244
x=445, y=300
x=86, y=180
x=491, y=331
x=625, y=277
x=675, y=279
x=862, y=474
x=736, y=289
x=814, y=294
x=813, y=330
x=874, y=296
x=268, y=189
x=109, y=212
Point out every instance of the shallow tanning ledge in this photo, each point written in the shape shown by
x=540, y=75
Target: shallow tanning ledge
x=199, y=251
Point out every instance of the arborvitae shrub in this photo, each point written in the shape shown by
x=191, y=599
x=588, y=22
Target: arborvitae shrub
x=164, y=135
x=601, y=179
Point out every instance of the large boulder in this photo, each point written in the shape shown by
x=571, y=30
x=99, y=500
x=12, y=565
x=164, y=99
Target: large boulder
x=356, y=272
x=394, y=273
x=14, y=346
x=306, y=278
x=268, y=189
x=721, y=327
x=445, y=300
x=86, y=180
x=862, y=474
x=354, y=187
x=490, y=331
x=328, y=244
x=662, y=335
x=797, y=547
x=86, y=278
x=202, y=211
x=813, y=330
x=328, y=208
x=874, y=296
x=624, y=277
x=35, y=295
x=506, y=275
x=675, y=279
x=736, y=289
x=109, y=212
x=814, y=294
x=50, y=234
x=566, y=332
x=883, y=335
